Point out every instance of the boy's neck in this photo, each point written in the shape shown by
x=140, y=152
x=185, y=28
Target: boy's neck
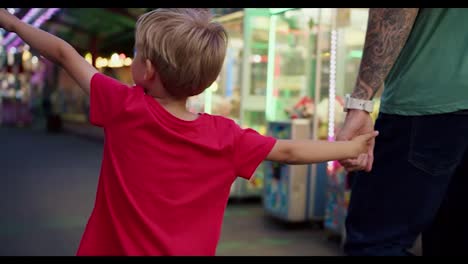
x=177, y=107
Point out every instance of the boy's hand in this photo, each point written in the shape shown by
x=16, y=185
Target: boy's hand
x=6, y=19
x=357, y=122
x=51, y=47
x=363, y=142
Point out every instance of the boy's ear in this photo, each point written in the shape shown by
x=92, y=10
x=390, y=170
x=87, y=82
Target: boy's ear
x=150, y=70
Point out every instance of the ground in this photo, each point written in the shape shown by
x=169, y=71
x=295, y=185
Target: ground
x=48, y=189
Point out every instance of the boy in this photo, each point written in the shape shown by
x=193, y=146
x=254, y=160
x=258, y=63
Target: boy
x=166, y=173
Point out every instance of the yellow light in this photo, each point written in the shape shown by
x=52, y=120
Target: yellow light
x=114, y=57
x=115, y=61
x=98, y=61
x=105, y=62
x=26, y=55
x=89, y=58
x=101, y=62
x=128, y=61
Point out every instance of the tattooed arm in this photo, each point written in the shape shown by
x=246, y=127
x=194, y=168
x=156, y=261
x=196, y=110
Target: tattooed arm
x=387, y=32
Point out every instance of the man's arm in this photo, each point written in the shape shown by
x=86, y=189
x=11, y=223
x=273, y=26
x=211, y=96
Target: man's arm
x=51, y=47
x=387, y=32
x=314, y=151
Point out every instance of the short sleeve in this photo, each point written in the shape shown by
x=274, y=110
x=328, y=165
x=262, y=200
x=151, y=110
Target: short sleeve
x=107, y=97
x=250, y=150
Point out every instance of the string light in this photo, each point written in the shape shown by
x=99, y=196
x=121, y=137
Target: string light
x=332, y=92
x=115, y=61
x=128, y=61
x=27, y=18
x=37, y=23
x=89, y=58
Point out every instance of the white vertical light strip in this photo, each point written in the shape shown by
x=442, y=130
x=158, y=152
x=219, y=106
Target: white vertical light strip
x=332, y=85
x=332, y=92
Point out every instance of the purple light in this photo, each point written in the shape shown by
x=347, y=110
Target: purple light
x=15, y=43
x=44, y=17
x=39, y=21
x=27, y=18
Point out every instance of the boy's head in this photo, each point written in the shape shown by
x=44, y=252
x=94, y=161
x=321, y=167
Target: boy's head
x=182, y=47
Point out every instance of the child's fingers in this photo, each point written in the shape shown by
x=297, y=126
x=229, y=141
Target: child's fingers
x=369, y=136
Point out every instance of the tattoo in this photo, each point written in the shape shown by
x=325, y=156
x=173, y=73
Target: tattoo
x=387, y=32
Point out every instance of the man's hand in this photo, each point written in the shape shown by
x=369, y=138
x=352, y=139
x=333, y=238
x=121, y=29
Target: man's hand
x=357, y=123
x=7, y=20
x=387, y=32
x=362, y=143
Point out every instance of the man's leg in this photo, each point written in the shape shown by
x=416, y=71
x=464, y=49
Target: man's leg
x=448, y=234
x=415, y=158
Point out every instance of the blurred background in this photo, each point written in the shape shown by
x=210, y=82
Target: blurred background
x=286, y=73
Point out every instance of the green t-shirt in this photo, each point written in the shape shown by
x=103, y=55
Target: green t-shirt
x=431, y=74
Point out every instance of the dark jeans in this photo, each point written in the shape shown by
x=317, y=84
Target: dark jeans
x=418, y=184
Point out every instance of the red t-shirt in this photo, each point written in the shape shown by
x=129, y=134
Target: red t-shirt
x=164, y=182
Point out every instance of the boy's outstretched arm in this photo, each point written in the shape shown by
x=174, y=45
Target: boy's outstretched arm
x=51, y=47
x=314, y=151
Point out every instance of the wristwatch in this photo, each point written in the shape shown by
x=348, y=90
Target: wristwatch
x=354, y=103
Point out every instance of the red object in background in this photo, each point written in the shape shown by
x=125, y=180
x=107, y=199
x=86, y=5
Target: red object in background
x=304, y=101
x=302, y=109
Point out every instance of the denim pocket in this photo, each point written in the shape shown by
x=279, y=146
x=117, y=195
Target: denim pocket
x=437, y=144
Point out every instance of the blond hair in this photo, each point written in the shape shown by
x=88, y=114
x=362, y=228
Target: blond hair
x=186, y=47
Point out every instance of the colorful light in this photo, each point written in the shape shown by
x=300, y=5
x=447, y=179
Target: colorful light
x=34, y=60
x=114, y=61
x=26, y=55
x=89, y=58
x=37, y=23
x=101, y=62
x=11, y=11
x=257, y=58
x=332, y=95
x=27, y=18
x=128, y=61
x=332, y=84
